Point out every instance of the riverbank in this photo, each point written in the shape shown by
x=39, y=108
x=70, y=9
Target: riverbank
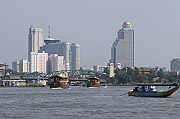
x=21, y=87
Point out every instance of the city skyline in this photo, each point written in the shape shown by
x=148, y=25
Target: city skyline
x=94, y=23
x=50, y=54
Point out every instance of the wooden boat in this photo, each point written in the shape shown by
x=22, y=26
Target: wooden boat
x=153, y=93
x=93, y=82
x=59, y=82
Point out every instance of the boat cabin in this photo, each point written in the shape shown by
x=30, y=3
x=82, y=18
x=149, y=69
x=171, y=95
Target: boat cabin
x=59, y=82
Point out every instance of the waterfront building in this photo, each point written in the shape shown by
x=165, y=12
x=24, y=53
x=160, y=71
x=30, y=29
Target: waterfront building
x=75, y=56
x=53, y=46
x=38, y=62
x=15, y=66
x=56, y=63
x=35, y=40
x=122, y=50
x=98, y=68
x=2, y=71
x=175, y=65
x=111, y=70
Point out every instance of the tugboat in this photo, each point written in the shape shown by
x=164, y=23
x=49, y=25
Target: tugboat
x=93, y=83
x=59, y=82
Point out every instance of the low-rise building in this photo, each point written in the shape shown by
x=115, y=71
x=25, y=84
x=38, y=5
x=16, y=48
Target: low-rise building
x=146, y=70
x=98, y=68
x=2, y=71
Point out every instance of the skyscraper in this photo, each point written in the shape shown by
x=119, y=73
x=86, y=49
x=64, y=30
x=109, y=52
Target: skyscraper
x=20, y=66
x=39, y=62
x=75, y=56
x=35, y=40
x=175, y=65
x=122, y=50
x=15, y=66
x=56, y=63
x=23, y=66
x=53, y=46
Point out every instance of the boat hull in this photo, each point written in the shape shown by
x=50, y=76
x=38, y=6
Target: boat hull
x=95, y=86
x=153, y=93
x=59, y=86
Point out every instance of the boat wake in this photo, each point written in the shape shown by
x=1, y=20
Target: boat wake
x=92, y=87
x=105, y=87
x=56, y=88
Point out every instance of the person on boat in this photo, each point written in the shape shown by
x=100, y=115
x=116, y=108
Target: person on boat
x=143, y=88
x=136, y=89
x=151, y=88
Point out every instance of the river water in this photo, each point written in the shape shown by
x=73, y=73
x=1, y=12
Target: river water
x=85, y=103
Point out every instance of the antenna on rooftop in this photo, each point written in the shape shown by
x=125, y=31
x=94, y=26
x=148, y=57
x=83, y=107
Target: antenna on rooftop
x=49, y=33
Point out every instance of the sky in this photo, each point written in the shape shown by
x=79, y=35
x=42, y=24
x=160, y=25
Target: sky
x=94, y=25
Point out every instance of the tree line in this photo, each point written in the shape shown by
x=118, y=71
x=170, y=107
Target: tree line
x=134, y=75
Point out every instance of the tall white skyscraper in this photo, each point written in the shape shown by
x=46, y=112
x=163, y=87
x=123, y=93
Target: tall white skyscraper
x=39, y=62
x=35, y=40
x=56, y=63
x=75, y=56
x=65, y=49
x=122, y=50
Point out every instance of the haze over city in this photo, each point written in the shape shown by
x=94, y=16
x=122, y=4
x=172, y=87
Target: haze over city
x=94, y=25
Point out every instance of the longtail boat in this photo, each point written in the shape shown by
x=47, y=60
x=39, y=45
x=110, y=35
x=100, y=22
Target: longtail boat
x=152, y=93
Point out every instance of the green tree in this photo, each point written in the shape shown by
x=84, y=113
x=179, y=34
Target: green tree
x=161, y=74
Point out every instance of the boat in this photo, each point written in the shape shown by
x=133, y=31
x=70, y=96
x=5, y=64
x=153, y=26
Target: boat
x=59, y=82
x=93, y=82
x=152, y=92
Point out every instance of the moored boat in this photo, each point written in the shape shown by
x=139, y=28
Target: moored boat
x=152, y=93
x=59, y=82
x=93, y=82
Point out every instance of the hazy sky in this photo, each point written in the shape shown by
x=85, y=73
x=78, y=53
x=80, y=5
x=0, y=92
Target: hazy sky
x=94, y=25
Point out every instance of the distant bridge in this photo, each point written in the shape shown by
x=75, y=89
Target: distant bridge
x=41, y=78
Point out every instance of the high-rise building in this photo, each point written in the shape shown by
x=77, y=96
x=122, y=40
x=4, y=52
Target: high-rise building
x=53, y=46
x=23, y=66
x=65, y=49
x=56, y=63
x=39, y=62
x=20, y=66
x=75, y=56
x=122, y=50
x=15, y=66
x=35, y=40
x=175, y=65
